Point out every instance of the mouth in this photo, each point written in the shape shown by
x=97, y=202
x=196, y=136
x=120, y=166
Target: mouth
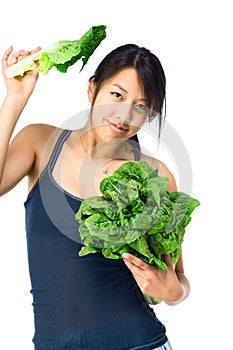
x=118, y=128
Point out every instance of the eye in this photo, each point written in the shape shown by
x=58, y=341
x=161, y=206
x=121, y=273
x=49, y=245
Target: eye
x=141, y=107
x=117, y=95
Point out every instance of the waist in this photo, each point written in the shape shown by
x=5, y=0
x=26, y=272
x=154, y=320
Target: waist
x=134, y=334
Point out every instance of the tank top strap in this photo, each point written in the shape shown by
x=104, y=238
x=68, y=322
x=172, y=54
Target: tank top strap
x=58, y=146
x=137, y=153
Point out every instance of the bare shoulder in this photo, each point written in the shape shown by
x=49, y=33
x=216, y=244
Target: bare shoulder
x=41, y=138
x=163, y=171
x=38, y=136
x=37, y=132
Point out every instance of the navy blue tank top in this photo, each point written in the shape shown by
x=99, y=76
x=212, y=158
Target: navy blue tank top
x=79, y=303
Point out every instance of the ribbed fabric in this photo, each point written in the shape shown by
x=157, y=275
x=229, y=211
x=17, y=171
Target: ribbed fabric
x=86, y=303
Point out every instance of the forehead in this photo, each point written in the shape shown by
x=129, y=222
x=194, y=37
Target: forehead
x=128, y=79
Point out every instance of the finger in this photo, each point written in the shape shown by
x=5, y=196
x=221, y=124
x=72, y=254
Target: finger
x=167, y=260
x=35, y=50
x=136, y=272
x=133, y=260
x=18, y=55
x=6, y=56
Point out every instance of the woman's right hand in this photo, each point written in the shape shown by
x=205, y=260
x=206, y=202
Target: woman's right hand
x=21, y=85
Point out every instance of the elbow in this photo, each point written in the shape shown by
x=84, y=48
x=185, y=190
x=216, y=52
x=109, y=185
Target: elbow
x=181, y=293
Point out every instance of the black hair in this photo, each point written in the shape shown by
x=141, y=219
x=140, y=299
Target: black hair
x=150, y=73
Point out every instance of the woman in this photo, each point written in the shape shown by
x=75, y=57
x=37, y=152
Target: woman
x=87, y=302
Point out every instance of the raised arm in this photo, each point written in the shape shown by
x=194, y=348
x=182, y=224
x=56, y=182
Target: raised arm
x=16, y=159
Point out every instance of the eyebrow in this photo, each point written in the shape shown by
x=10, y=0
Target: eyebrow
x=121, y=88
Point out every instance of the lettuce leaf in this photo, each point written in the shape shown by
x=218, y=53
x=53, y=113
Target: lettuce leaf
x=136, y=214
x=65, y=53
x=62, y=54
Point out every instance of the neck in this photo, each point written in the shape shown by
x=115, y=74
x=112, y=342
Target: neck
x=117, y=148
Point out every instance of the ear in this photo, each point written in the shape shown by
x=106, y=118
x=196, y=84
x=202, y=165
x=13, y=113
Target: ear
x=91, y=89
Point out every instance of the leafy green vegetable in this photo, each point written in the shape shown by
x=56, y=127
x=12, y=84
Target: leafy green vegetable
x=136, y=214
x=61, y=54
x=65, y=53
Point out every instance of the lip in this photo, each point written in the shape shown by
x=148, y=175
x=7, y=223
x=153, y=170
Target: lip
x=117, y=128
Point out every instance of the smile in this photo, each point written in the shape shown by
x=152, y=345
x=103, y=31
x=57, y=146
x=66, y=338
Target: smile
x=117, y=128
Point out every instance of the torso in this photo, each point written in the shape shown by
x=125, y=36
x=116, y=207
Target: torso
x=108, y=296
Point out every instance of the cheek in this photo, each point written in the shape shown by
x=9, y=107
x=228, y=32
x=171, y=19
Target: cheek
x=102, y=112
x=138, y=120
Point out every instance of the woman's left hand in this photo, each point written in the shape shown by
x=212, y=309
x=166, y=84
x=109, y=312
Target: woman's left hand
x=157, y=283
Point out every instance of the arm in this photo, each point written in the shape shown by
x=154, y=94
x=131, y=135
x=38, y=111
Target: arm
x=170, y=285
x=16, y=159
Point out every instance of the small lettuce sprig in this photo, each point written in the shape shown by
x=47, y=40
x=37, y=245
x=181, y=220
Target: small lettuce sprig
x=62, y=54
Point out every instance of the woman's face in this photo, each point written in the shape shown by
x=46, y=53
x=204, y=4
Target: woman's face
x=120, y=108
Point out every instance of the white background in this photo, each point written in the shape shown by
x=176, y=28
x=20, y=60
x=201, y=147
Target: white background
x=193, y=40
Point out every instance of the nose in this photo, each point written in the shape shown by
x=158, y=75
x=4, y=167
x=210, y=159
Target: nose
x=124, y=113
